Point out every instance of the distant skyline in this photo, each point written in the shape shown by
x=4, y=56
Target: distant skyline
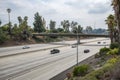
x=85, y=12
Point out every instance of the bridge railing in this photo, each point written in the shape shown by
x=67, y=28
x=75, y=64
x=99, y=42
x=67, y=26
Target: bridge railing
x=70, y=34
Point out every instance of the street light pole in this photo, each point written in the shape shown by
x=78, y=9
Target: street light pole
x=9, y=10
x=77, y=48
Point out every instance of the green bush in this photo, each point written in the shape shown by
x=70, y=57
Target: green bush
x=3, y=37
x=81, y=70
x=114, y=45
x=49, y=39
x=99, y=74
x=114, y=51
x=37, y=39
x=112, y=61
x=97, y=55
x=103, y=51
x=119, y=51
x=95, y=75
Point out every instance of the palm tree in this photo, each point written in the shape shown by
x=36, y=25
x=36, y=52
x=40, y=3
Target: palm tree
x=25, y=21
x=74, y=26
x=89, y=29
x=19, y=19
x=52, y=25
x=116, y=7
x=65, y=25
x=0, y=22
x=110, y=21
x=9, y=10
x=26, y=18
x=80, y=29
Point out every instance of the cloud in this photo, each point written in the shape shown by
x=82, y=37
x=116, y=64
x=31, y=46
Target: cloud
x=99, y=8
x=81, y=11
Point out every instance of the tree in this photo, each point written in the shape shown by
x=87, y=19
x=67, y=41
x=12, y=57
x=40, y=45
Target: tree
x=9, y=10
x=52, y=25
x=5, y=28
x=25, y=23
x=19, y=19
x=16, y=32
x=66, y=25
x=44, y=23
x=39, y=23
x=110, y=21
x=74, y=26
x=116, y=7
x=60, y=30
x=3, y=36
x=26, y=18
x=22, y=32
x=80, y=29
x=0, y=22
x=89, y=29
x=74, y=29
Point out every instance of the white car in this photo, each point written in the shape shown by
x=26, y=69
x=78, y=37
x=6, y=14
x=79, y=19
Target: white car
x=25, y=47
x=73, y=46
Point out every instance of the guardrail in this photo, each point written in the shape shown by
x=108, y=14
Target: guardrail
x=69, y=34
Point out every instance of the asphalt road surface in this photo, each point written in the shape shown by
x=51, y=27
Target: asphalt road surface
x=15, y=50
x=42, y=65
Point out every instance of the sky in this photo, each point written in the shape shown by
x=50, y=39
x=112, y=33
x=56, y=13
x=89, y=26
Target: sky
x=85, y=12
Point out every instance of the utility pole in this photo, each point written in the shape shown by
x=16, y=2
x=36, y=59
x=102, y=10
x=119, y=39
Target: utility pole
x=77, y=49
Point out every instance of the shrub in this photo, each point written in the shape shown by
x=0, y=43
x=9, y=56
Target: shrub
x=114, y=45
x=103, y=51
x=112, y=61
x=3, y=37
x=119, y=51
x=110, y=69
x=97, y=55
x=49, y=39
x=37, y=39
x=114, y=51
x=81, y=70
x=95, y=75
x=98, y=74
x=116, y=70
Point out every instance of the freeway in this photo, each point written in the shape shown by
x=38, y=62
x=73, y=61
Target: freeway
x=6, y=51
x=42, y=65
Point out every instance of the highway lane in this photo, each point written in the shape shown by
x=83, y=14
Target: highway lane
x=5, y=51
x=31, y=49
x=8, y=64
x=22, y=63
x=48, y=71
x=82, y=41
x=41, y=54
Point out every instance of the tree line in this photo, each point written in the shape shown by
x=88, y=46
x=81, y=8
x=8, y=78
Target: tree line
x=113, y=22
x=22, y=31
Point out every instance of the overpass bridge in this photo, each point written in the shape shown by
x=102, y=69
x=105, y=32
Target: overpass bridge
x=77, y=35
x=70, y=34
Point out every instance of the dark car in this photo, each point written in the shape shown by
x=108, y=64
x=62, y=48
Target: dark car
x=99, y=42
x=25, y=47
x=54, y=51
x=86, y=51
